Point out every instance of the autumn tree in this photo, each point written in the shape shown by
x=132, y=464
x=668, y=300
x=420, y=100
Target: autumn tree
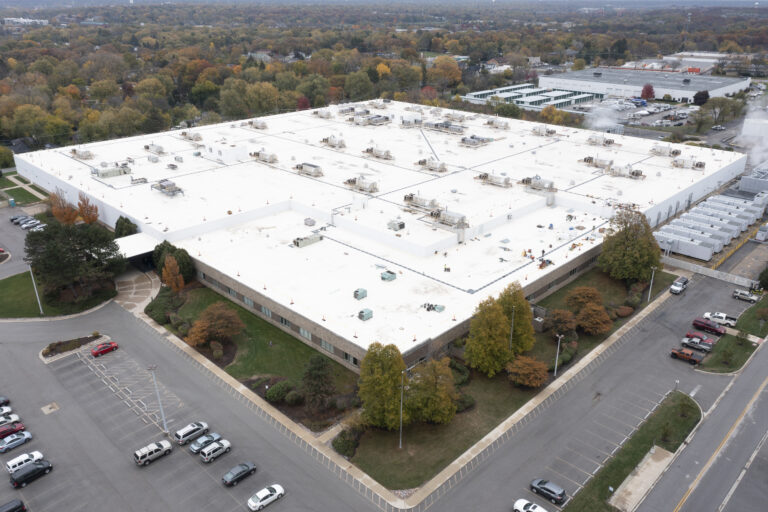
x=379, y=386
x=62, y=210
x=701, y=97
x=444, y=73
x=560, y=321
x=317, y=383
x=218, y=322
x=519, y=315
x=578, y=65
x=527, y=372
x=487, y=349
x=647, y=93
x=593, y=319
x=629, y=248
x=580, y=296
x=171, y=276
x=432, y=394
x=87, y=211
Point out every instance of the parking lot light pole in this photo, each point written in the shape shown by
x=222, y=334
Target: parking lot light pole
x=557, y=354
x=152, y=369
x=34, y=287
x=653, y=272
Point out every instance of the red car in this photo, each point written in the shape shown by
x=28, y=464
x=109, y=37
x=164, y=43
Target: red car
x=103, y=348
x=11, y=428
x=703, y=337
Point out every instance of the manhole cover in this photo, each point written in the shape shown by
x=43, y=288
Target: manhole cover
x=51, y=407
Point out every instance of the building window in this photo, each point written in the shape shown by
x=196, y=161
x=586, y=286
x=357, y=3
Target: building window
x=305, y=333
x=267, y=313
x=285, y=322
x=327, y=346
x=201, y=275
x=248, y=302
x=232, y=292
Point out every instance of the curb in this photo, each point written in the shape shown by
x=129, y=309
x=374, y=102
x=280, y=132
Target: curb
x=57, y=357
x=55, y=318
x=6, y=260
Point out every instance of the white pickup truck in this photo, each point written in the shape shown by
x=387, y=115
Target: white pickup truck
x=721, y=318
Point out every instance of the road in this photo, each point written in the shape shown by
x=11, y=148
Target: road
x=91, y=435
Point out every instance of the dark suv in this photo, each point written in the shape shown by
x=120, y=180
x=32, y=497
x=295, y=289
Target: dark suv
x=549, y=490
x=708, y=326
x=30, y=472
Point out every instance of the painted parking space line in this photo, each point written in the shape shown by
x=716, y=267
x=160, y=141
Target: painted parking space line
x=594, y=439
x=576, y=473
x=561, y=476
x=618, y=422
x=615, y=436
x=576, y=443
x=638, y=408
x=578, y=460
x=628, y=416
x=615, y=425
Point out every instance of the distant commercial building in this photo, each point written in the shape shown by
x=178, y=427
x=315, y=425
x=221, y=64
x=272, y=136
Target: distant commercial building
x=528, y=96
x=23, y=21
x=628, y=83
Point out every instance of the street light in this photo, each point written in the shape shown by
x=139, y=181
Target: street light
x=557, y=354
x=152, y=369
x=653, y=272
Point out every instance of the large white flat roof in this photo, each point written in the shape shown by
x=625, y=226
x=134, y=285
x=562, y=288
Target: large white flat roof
x=241, y=216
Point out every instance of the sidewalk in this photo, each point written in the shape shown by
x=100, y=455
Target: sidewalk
x=319, y=446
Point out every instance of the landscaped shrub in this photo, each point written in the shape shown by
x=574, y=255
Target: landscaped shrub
x=624, y=311
x=560, y=321
x=278, y=392
x=345, y=402
x=163, y=305
x=633, y=301
x=593, y=319
x=581, y=296
x=612, y=313
x=294, y=398
x=184, y=328
x=464, y=403
x=217, y=349
x=527, y=372
x=347, y=441
x=175, y=320
x=460, y=373
x=638, y=288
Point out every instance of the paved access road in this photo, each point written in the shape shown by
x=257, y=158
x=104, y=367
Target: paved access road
x=12, y=240
x=91, y=436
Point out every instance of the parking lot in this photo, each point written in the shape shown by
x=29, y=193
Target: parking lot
x=89, y=415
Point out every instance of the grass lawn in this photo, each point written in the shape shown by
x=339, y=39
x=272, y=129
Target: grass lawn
x=6, y=183
x=39, y=190
x=749, y=322
x=23, y=179
x=593, y=497
x=739, y=355
x=22, y=196
x=427, y=449
x=18, y=299
x=287, y=356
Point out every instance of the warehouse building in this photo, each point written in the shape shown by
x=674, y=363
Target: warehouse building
x=628, y=83
x=379, y=221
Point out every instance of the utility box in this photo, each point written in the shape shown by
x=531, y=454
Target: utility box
x=388, y=275
x=365, y=314
x=538, y=324
x=360, y=293
x=396, y=225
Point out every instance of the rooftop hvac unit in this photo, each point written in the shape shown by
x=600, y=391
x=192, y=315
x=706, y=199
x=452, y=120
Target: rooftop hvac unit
x=82, y=154
x=432, y=165
x=362, y=184
x=365, y=314
x=346, y=109
x=493, y=179
x=195, y=137
x=383, y=154
x=360, y=293
x=433, y=307
x=334, y=142
x=117, y=170
x=179, y=158
x=308, y=169
x=538, y=183
x=688, y=163
x=543, y=131
x=410, y=122
x=453, y=219
x=396, y=225
x=422, y=202
x=626, y=171
x=599, y=140
x=153, y=159
x=263, y=156
x=308, y=240
x=136, y=181
x=309, y=221
x=258, y=124
x=167, y=187
x=495, y=122
x=444, y=126
x=323, y=114
x=475, y=141
x=154, y=148
x=600, y=163
x=660, y=150
x=172, y=167
x=388, y=275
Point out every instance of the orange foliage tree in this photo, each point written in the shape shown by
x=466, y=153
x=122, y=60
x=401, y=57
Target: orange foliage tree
x=62, y=211
x=526, y=371
x=88, y=211
x=171, y=275
x=216, y=323
x=593, y=319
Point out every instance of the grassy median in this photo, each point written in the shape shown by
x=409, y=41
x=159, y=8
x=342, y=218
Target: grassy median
x=730, y=354
x=17, y=299
x=667, y=427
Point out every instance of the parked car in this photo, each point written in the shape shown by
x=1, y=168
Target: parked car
x=21, y=219
x=203, y=441
x=214, y=450
x=103, y=348
x=237, y=473
x=721, y=318
x=5, y=410
x=18, y=215
x=686, y=354
x=718, y=128
x=696, y=344
x=183, y=435
x=30, y=472
x=151, y=452
x=22, y=460
x=549, y=490
x=746, y=295
x=39, y=227
x=4, y=400
x=679, y=286
x=12, y=441
x=7, y=430
x=522, y=505
x=30, y=224
x=8, y=419
x=265, y=496
x=701, y=336
x=708, y=326
x=13, y=506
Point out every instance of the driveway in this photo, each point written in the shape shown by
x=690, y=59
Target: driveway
x=12, y=240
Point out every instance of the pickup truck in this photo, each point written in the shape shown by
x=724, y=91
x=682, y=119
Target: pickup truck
x=696, y=344
x=679, y=286
x=708, y=326
x=721, y=318
x=686, y=354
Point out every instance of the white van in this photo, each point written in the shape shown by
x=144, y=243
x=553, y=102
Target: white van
x=22, y=460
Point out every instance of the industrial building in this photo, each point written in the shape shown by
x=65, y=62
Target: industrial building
x=628, y=83
x=527, y=96
x=379, y=221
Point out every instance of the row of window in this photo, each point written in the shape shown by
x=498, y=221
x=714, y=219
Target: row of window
x=283, y=321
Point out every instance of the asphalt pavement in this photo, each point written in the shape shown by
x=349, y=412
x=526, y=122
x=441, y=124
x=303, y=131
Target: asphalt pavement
x=12, y=240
